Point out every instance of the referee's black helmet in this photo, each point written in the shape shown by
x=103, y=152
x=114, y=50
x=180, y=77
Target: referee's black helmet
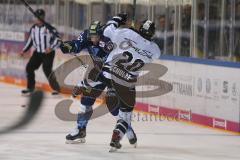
x=40, y=13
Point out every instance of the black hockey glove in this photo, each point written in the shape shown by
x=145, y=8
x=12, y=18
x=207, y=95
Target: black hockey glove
x=67, y=47
x=121, y=18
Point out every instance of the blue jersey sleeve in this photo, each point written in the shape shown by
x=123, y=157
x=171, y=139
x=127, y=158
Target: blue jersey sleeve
x=81, y=42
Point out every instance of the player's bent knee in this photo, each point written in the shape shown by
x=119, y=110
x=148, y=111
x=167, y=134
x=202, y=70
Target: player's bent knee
x=124, y=107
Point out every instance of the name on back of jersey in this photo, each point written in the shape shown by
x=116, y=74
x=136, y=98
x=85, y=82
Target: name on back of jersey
x=121, y=73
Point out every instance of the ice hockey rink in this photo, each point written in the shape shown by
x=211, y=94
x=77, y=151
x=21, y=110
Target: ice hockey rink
x=44, y=138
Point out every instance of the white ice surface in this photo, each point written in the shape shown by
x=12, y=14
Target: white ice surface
x=44, y=138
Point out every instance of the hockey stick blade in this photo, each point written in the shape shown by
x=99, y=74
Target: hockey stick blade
x=34, y=105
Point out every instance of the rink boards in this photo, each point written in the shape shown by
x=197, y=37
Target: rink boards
x=204, y=92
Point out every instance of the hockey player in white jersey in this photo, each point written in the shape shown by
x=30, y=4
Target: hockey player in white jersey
x=98, y=46
x=133, y=49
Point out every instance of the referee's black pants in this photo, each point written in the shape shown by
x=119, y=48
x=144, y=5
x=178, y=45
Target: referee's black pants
x=35, y=62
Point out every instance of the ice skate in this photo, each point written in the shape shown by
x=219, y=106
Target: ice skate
x=55, y=93
x=133, y=142
x=27, y=92
x=76, y=136
x=115, y=142
x=133, y=139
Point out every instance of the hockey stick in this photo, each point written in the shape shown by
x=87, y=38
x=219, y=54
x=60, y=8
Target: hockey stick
x=34, y=105
x=134, y=13
x=49, y=26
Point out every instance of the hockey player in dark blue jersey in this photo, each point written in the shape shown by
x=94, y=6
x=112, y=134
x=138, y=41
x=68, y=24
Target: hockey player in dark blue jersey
x=98, y=47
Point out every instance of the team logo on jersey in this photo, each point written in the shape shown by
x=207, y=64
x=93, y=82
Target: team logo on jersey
x=80, y=37
x=128, y=43
x=109, y=46
x=101, y=44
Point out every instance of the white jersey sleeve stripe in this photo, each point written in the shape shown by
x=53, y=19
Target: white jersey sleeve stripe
x=28, y=44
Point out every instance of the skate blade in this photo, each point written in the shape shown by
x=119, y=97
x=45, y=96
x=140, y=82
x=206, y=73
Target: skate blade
x=113, y=149
x=26, y=94
x=134, y=145
x=77, y=141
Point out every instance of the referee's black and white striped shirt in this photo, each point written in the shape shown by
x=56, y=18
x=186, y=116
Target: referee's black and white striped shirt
x=41, y=38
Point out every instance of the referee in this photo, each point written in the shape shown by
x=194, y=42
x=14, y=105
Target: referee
x=45, y=44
